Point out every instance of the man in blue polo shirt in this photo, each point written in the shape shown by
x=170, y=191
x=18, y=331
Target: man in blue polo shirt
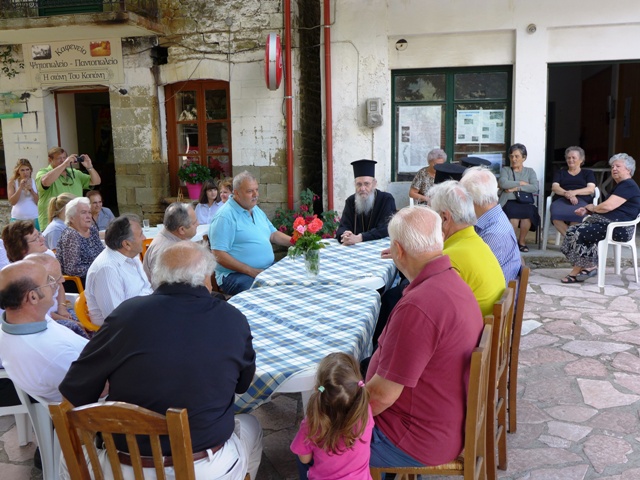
x=241, y=236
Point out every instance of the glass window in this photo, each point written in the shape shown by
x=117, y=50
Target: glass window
x=464, y=111
x=202, y=138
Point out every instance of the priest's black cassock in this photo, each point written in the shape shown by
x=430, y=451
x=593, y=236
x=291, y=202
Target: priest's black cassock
x=372, y=226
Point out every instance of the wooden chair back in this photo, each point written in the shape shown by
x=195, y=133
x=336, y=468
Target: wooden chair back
x=473, y=465
x=77, y=428
x=498, y=376
x=514, y=351
x=82, y=312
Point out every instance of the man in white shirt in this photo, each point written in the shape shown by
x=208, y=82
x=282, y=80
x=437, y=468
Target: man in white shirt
x=36, y=352
x=117, y=273
x=180, y=223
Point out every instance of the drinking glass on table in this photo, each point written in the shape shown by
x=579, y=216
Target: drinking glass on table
x=145, y=225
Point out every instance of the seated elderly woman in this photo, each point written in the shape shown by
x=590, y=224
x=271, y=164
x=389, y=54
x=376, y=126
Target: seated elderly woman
x=426, y=176
x=102, y=216
x=573, y=187
x=56, y=212
x=80, y=243
x=21, y=239
x=580, y=244
x=513, y=180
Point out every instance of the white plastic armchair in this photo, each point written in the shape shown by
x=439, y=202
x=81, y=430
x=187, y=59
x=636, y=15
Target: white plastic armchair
x=45, y=435
x=603, y=249
x=547, y=218
x=21, y=415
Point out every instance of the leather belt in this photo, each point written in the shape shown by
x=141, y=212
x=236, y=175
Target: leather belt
x=147, y=462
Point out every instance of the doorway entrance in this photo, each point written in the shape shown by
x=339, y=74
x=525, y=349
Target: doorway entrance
x=84, y=126
x=594, y=106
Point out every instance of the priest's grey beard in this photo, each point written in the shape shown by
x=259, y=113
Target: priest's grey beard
x=365, y=204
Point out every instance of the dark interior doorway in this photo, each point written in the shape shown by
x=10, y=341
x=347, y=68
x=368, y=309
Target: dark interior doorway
x=595, y=106
x=84, y=126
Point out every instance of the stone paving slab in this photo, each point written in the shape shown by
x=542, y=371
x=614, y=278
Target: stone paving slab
x=578, y=391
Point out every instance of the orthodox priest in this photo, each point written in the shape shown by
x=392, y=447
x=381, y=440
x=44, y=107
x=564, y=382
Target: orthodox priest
x=367, y=213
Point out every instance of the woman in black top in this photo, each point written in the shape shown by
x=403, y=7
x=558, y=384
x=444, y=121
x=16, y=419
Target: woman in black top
x=580, y=244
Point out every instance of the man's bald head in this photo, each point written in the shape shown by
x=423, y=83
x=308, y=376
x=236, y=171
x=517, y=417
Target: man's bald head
x=17, y=280
x=183, y=262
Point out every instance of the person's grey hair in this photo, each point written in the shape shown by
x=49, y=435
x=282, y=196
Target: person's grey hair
x=418, y=229
x=241, y=177
x=575, y=148
x=174, y=266
x=628, y=160
x=452, y=197
x=120, y=230
x=177, y=215
x=435, y=154
x=72, y=208
x=481, y=184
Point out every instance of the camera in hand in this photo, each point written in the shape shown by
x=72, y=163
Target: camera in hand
x=80, y=158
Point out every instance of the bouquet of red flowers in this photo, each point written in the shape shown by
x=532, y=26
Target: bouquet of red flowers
x=305, y=236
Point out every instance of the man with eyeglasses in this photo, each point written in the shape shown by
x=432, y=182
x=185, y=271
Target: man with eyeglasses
x=62, y=176
x=36, y=352
x=366, y=214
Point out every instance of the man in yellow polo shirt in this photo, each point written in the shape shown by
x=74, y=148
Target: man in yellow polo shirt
x=469, y=254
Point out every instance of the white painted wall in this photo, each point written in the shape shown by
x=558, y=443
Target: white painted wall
x=459, y=34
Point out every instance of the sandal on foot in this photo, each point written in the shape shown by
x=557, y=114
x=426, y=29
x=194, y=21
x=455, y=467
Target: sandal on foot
x=523, y=248
x=569, y=279
x=584, y=274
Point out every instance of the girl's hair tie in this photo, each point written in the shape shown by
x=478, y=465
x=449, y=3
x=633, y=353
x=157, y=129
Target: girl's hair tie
x=361, y=384
x=321, y=389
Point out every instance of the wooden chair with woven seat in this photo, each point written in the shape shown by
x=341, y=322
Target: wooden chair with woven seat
x=514, y=351
x=77, y=428
x=471, y=465
x=498, y=382
x=82, y=312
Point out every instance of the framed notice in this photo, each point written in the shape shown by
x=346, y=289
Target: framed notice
x=419, y=131
x=77, y=62
x=480, y=126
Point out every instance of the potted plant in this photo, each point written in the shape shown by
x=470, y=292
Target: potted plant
x=193, y=174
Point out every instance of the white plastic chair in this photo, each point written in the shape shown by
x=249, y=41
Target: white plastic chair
x=400, y=192
x=547, y=218
x=303, y=382
x=21, y=415
x=45, y=435
x=603, y=249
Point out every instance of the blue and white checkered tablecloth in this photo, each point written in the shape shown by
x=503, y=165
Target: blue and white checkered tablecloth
x=339, y=265
x=294, y=327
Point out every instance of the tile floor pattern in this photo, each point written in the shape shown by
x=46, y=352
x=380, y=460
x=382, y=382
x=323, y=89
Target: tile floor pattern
x=578, y=394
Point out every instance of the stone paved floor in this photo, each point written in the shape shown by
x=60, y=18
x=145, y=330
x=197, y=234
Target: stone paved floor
x=578, y=394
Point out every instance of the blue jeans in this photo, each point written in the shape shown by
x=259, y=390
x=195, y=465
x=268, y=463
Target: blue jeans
x=235, y=283
x=385, y=454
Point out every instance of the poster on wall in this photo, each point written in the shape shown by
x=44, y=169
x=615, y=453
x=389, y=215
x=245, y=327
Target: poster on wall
x=73, y=63
x=480, y=126
x=419, y=131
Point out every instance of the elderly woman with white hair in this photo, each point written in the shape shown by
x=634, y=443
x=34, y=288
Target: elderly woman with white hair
x=80, y=243
x=580, y=244
x=426, y=176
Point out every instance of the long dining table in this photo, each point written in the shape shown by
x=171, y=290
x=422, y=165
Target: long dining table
x=339, y=265
x=295, y=326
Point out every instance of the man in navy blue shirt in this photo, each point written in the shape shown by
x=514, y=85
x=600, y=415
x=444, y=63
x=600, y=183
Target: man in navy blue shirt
x=178, y=347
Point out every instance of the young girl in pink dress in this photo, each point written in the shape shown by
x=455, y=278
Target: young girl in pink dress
x=334, y=438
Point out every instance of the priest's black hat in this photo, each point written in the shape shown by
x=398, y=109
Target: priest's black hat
x=474, y=162
x=448, y=171
x=364, y=168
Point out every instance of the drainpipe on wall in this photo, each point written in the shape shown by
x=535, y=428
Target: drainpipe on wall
x=288, y=100
x=328, y=100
